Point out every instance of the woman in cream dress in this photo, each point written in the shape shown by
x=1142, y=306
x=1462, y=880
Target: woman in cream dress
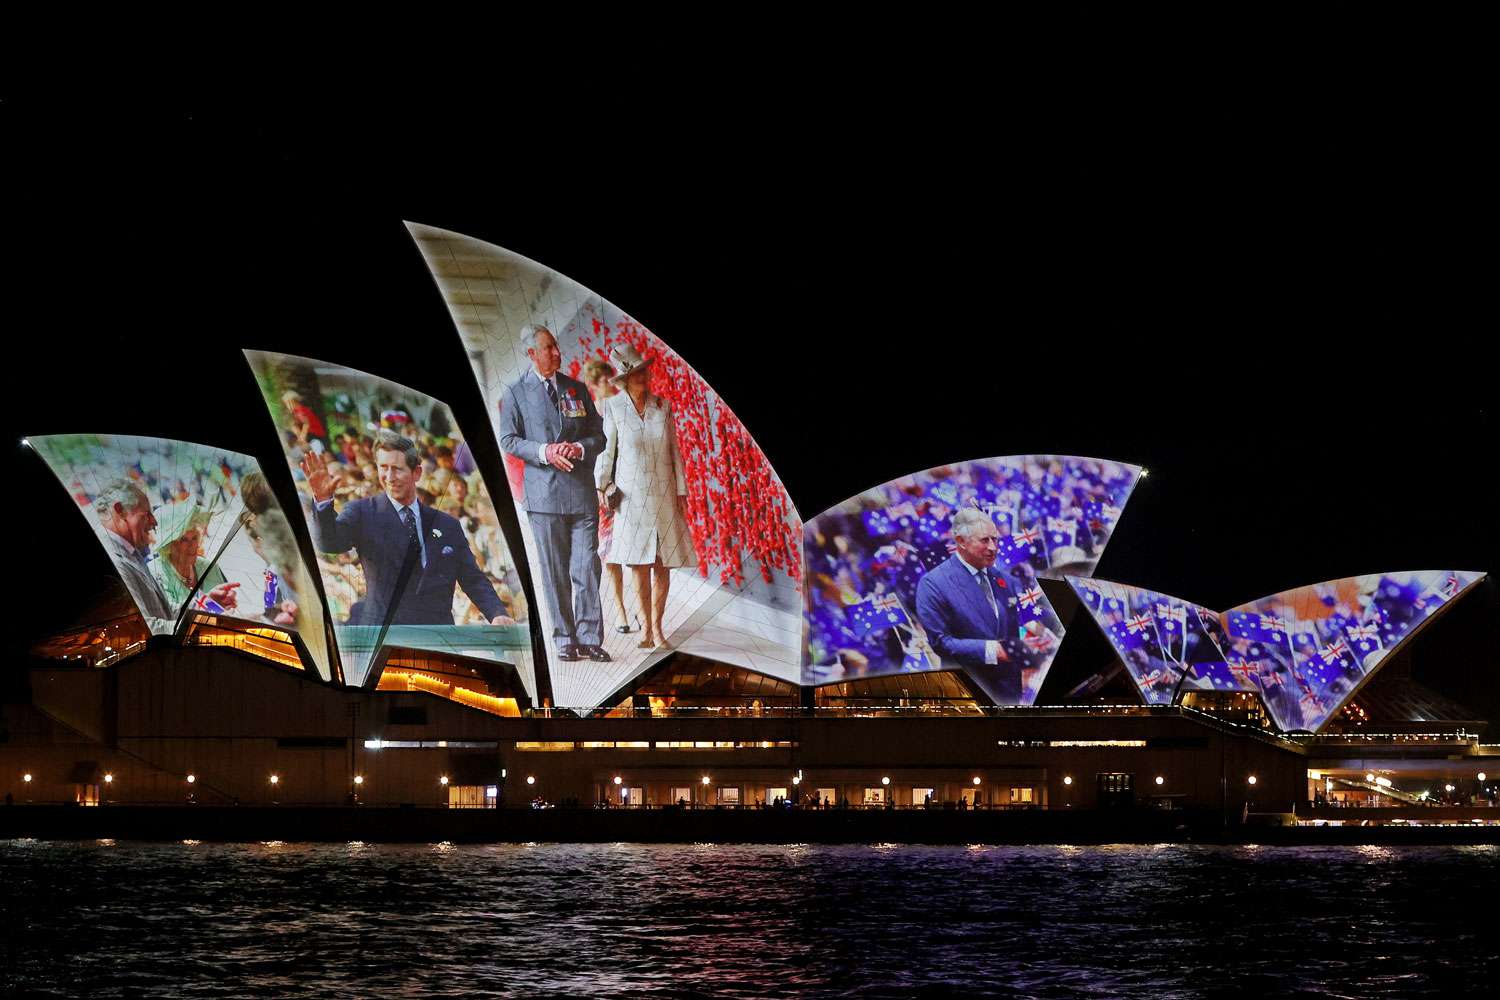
x=641, y=461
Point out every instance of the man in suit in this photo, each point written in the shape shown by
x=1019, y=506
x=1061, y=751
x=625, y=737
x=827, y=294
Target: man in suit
x=384, y=529
x=548, y=421
x=965, y=607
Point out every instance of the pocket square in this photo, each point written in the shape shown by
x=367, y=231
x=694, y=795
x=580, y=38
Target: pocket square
x=447, y=550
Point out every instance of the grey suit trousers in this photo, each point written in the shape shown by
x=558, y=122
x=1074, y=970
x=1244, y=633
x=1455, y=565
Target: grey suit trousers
x=569, y=550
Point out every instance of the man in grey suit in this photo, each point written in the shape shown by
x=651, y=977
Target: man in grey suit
x=549, y=422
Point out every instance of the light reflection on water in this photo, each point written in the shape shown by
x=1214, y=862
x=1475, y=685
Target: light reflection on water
x=356, y=919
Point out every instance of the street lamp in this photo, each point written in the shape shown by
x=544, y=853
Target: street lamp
x=705, y=779
x=618, y=779
x=191, y=778
x=885, y=780
x=976, y=779
x=443, y=780
x=1160, y=780
x=1067, y=779
x=26, y=777
x=275, y=779
x=109, y=779
x=530, y=779
x=1251, y=779
x=359, y=779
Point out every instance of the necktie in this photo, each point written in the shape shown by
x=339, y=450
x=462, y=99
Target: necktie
x=411, y=528
x=989, y=593
x=551, y=392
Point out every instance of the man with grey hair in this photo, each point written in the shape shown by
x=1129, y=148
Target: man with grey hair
x=125, y=516
x=968, y=612
x=548, y=421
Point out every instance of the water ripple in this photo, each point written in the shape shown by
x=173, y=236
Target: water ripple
x=445, y=920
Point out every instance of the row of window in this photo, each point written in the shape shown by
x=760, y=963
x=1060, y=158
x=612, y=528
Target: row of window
x=556, y=745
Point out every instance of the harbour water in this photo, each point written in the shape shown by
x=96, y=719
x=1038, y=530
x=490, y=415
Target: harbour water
x=187, y=919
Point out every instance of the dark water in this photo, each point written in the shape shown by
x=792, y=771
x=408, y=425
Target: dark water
x=187, y=920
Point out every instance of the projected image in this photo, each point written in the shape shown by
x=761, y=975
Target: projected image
x=410, y=548
x=190, y=528
x=653, y=521
x=1169, y=645
x=893, y=574
x=1312, y=646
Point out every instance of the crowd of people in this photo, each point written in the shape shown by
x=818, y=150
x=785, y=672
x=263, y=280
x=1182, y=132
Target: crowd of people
x=336, y=450
x=1000, y=521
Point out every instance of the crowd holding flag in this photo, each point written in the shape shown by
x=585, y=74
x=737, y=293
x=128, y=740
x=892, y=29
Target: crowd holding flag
x=1052, y=513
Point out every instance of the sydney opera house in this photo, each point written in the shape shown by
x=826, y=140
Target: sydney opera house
x=628, y=610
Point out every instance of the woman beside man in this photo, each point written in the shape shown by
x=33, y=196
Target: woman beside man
x=640, y=475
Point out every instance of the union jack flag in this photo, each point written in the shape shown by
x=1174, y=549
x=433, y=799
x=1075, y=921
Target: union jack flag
x=1139, y=623
x=1335, y=652
x=1028, y=536
x=1038, y=643
x=1273, y=623
x=1450, y=586
x=1269, y=678
x=1308, y=697
x=1245, y=671
x=1358, y=632
x=1029, y=598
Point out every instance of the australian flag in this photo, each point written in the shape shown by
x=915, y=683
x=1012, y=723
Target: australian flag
x=876, y=613
x=944, y=492
x=1031, y=604
x=1249, y=625
x=1020, y=547
x=1133, y=632
x=878, y=523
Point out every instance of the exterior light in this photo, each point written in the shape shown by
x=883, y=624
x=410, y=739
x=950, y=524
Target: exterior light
x=1447, y=788
x=443, y=780
x=275, y=779
x=1480, y=776
x=976, y=779
x=1383, y=782
x=359, y=779
x=885, y=780
x=617, y=779
x=1251, y=779
x=26, y=778
x=1370, y=778
x=705, y=779
x=192, y=778
x=109, y=779
x=796, y=779
x=530, y=780
x=1067, y=779
x=1160, y=780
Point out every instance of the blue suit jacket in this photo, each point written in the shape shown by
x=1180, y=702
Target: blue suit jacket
x=374, y=530
x=958, y=622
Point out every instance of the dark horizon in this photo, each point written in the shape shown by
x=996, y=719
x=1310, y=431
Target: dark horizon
x=1273, y=319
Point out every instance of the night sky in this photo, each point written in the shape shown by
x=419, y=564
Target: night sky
x=1277, y=305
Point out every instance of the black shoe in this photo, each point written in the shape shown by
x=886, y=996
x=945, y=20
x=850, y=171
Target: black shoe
x=596, y=653
x=624, y=628
x=570, y=653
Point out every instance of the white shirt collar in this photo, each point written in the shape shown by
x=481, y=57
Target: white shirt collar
x=400, y=507
x=544, y=379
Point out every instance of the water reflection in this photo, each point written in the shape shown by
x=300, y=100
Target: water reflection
x=755, y=921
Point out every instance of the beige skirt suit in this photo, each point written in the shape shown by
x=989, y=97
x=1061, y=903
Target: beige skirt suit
x=640, y=457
